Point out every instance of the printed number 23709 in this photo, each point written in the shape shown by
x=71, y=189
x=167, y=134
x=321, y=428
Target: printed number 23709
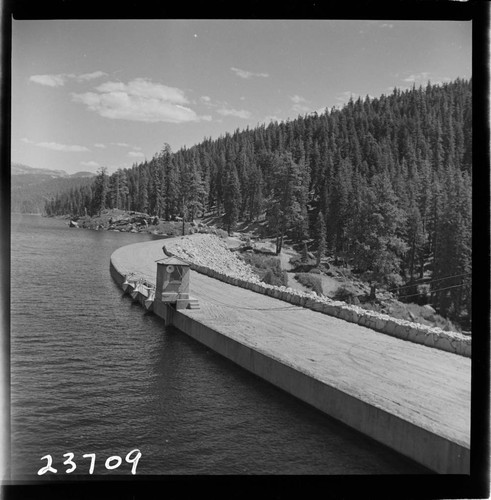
x=111, y=463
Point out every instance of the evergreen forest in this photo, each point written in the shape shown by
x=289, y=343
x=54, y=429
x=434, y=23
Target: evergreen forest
x=382, y=185
x=29, y=192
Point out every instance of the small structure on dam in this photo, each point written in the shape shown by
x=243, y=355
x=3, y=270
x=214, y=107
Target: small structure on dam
x=173, y=283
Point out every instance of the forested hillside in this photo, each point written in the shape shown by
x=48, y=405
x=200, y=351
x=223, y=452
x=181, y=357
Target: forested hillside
x=382, y=184
x=32, y=187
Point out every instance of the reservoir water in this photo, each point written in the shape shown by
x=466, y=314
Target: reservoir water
x=93, y=373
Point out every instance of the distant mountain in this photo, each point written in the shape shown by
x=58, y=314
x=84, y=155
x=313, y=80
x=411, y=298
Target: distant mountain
x=82, y=174
x=31, y=187
x=20, y=169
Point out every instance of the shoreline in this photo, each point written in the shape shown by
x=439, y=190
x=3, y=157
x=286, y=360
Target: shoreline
x=399, y=317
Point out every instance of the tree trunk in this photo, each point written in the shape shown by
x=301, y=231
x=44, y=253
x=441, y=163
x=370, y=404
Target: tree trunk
x=411, y=259
x=279, y=243
x=305, y=252
x=421, y=267
x=184, y=214
x=373, y=289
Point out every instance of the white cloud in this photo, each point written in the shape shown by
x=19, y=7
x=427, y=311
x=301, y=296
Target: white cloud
x=298, y=99
x=445, y=79
x=49, y=80
x=300, y=104
x=299, y=108
x=60, y=79
x=422, y=79
x=139, y=100
x=99, y=145
x=344, y=97
x=126, y=145
x=248, y=74
x=387, y=25
x=62, y=147
x=238, y=113
x=144, y=88
x=136, y=154
x=55, y=146
x=90, y=76
x=418, y=77
x=89, y=164
x=223, y=108
x=272, y=118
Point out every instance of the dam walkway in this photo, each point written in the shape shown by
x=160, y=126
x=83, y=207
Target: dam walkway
x=418, y=387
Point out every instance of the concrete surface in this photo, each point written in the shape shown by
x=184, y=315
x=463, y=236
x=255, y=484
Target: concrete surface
x=410, y=397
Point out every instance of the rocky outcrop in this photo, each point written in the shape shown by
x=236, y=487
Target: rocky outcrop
x=131, y=224
x=209, y=255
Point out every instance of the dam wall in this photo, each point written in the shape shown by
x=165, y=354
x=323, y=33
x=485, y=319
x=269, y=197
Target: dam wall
x=430, y=449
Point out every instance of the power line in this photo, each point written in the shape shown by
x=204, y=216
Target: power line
x=428, y=282
x=433, y=291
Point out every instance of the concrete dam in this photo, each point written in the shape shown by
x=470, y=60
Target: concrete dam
x=413, y=398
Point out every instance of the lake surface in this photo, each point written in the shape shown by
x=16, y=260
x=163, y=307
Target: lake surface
x=93, y=373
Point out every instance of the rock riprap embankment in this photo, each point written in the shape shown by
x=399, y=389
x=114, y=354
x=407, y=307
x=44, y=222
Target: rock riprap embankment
x=210, y=251
x=208, y=254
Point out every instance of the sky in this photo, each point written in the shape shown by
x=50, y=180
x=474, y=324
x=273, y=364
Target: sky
x=92, y=93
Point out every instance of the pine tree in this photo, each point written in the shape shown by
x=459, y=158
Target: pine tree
x=172, y=189
x=256, y=187
x=452, y=256
x=285, y=211
x=379, y=251
x=142, y=196
x=101, y=187
x=158, y=168
x=320, y=237
x=192, y=190
x=338, y=211
x=232, y=201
